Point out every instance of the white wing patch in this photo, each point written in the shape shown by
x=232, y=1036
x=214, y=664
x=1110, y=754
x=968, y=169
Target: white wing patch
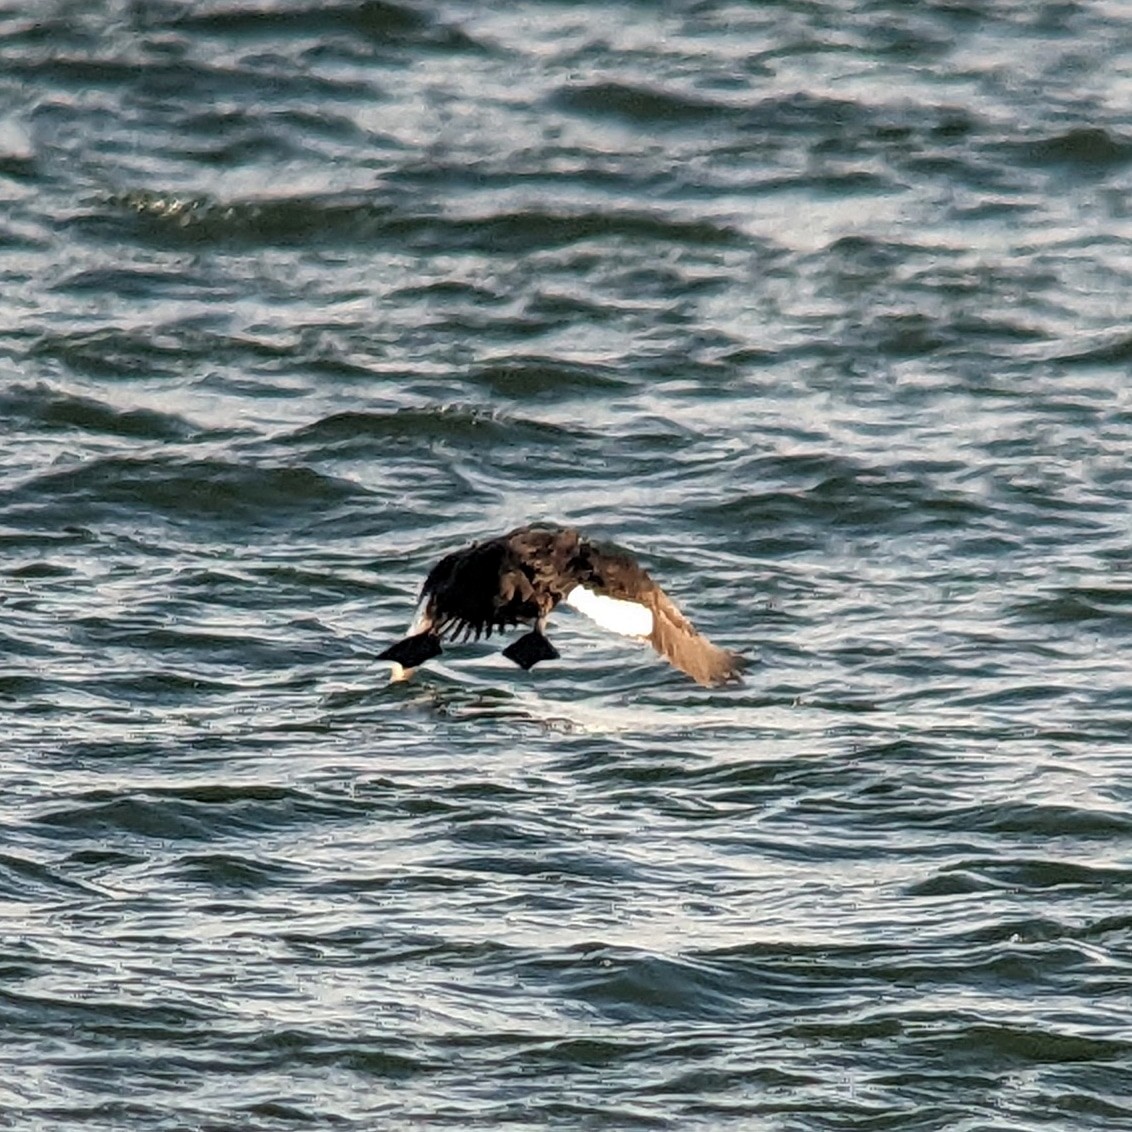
x=628, y=618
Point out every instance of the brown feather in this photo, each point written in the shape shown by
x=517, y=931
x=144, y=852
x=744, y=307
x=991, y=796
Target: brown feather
x=614, y=573
x=675, y=638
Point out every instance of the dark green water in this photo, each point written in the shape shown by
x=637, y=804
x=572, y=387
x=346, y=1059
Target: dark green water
x=821, y=307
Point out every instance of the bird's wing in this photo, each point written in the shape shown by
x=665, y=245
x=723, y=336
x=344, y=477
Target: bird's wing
x=461, y=592
x=494, y=584
x=618, y=594
x=675, y=638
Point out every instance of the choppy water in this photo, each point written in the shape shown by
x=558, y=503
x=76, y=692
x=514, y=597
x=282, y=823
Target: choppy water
x=819, y=306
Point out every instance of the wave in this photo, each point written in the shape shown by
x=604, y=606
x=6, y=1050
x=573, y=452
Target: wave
x=203, y=489
x=641, y=105
x=328, y=219
x=466, y=426
x=378, y=21
x=41, y=406
x=191, y=813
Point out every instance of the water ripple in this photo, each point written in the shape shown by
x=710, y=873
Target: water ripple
x=812, y=306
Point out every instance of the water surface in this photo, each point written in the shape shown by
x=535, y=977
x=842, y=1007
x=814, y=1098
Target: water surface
x=819, y=307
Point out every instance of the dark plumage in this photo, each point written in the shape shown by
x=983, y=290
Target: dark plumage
x=520, y=577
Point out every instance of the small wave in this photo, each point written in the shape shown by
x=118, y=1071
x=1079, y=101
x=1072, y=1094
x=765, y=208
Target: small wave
x=24, y=879
x=1032, y=874
x=116, y=1018
x=642, y=105
x=187, y=489
x=1116, y=352
x=546, y=378
x=640, y=986
x=590, y=1051
x=800, y=113
x=465, y=426
x=1083, y=148
x=114, y=353
x=230, y=871
x=1073, y=604
x=275, y=587
x=284, y=220
x=192, y=813
x=378, y=21
x=132, y=282
x=286, y=1048
x=331, y=218
x=832, y=491
x=532, y=229
x=988, y=1043
x=165, y=686
x=38, y=570
x=56, y=409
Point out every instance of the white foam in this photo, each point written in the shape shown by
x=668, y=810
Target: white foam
x=628, y=618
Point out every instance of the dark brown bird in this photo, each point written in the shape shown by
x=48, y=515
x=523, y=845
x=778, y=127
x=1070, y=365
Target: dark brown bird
x=520, y=577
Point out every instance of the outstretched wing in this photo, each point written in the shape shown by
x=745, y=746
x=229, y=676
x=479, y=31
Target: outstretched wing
x=674, y=637
x=506, y=581
x=618, y=594
x=459, y=596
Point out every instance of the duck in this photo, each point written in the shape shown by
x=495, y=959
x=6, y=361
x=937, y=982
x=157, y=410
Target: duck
x=521, y=577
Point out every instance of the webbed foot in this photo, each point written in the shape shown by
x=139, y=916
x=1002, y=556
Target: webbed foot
x=529, y=649
x=409, y=652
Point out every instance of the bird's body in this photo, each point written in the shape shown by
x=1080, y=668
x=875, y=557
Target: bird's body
x=520, y=577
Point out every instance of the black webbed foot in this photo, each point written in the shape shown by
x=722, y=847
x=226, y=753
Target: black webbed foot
x=529, y=649
x=409, y=652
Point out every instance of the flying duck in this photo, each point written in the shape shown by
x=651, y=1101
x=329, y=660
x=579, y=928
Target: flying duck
x=519, y=578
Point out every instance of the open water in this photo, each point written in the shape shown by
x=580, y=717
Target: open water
x=821, y=306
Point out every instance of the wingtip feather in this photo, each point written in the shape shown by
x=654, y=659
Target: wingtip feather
x=677, y=640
